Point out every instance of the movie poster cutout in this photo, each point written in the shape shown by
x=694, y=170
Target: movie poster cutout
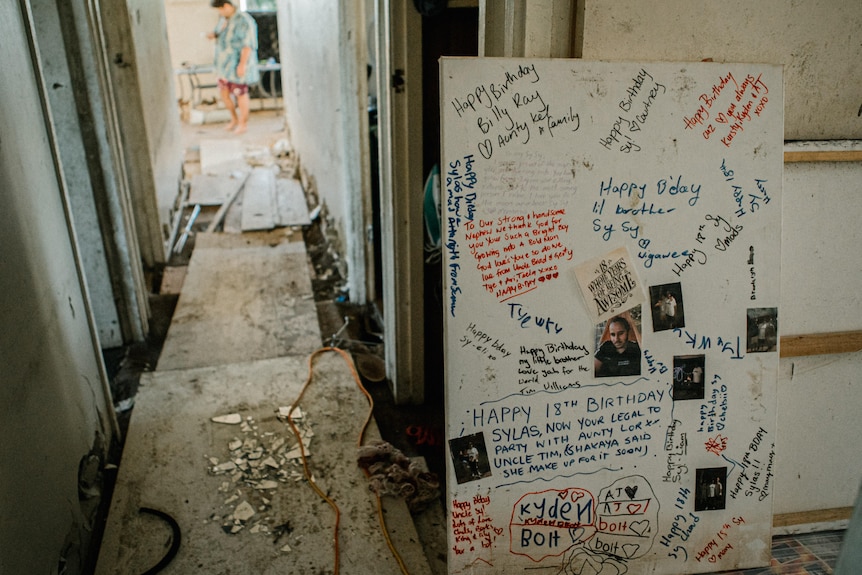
x=611, y=362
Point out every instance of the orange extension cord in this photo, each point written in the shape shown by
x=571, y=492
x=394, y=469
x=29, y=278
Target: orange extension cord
x=359, y=442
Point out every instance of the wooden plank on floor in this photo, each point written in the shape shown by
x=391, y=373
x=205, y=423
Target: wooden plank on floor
x=166, y=466
x=222, y=156
x=292, y=205
x=258, y=201
x=212, y=190
x=245, y=297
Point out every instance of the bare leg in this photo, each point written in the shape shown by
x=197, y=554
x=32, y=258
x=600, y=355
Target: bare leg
x=244, y=105
x=231, y=107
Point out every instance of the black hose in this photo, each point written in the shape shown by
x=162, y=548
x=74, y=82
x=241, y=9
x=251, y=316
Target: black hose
x=175, y=540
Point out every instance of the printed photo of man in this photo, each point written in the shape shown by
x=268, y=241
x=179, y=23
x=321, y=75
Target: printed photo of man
x=619, y=353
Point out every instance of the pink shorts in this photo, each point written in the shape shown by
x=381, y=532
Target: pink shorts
x=235, y=89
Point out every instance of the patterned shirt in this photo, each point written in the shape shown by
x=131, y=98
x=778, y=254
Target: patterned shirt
x=232, y=35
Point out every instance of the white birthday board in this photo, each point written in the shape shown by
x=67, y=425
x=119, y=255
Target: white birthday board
x=611, y=234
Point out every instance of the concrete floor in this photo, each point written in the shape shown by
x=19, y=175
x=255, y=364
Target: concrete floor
x=239, y=342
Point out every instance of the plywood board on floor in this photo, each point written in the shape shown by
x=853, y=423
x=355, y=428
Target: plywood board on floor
x=222, y=156
x=292, y=205
x=245, y=297
x=258, y=201
x=167, y=466
x=214, y=190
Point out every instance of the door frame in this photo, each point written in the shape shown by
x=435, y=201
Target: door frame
x=399, y=54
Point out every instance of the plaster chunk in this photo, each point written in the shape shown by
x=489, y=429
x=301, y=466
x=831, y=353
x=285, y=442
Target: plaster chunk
x=244, y=511
x=296, y=414
x=224, y=467
x=229, y=419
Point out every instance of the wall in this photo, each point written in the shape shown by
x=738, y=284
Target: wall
x=76, y=170
x=324, y=101
x=817, y=41
x=161, y=113
x=54, y=411
x=819, y=397
x=141, y=92
x=188, y=22
x=818, y=44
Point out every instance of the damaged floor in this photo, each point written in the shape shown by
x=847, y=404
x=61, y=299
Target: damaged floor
x=246, y=312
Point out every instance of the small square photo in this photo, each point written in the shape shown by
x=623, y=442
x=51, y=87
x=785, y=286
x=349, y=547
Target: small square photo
x=667, y=307
x=710, y=488
x=688, y=377
x=762, y=329
x=470, y=457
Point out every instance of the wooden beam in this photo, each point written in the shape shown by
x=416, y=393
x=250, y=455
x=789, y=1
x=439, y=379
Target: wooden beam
x=821, y=343
x=823, y=156
x=818, y=516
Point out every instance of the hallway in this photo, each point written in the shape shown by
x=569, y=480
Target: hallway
x=245, y=324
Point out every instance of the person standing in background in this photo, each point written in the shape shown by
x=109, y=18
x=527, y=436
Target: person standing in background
x=235, y=61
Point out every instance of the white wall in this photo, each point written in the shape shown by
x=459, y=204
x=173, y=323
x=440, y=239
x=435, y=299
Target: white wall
x=818, y=43
x=188, y=22
x=147, y=116
x=53, y=408
x=161, y=113
x=821, y=261
x=322, y=84
x=818, y=463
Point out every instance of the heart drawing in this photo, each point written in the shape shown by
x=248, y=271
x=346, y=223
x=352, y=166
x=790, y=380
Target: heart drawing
x=639, y=527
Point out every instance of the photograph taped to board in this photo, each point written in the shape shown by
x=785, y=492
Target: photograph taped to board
x=618, y=349
x=470, y=457
x=605, y=339
x=668, y=310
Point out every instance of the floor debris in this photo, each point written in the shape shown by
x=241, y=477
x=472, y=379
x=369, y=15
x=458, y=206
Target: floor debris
x=391, y=472
x=230, y=419
x=258, y=464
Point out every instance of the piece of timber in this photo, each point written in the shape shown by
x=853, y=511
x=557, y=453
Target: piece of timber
x=258, y=201
x=821, y=343
x=823, y=156
x=816, y=516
